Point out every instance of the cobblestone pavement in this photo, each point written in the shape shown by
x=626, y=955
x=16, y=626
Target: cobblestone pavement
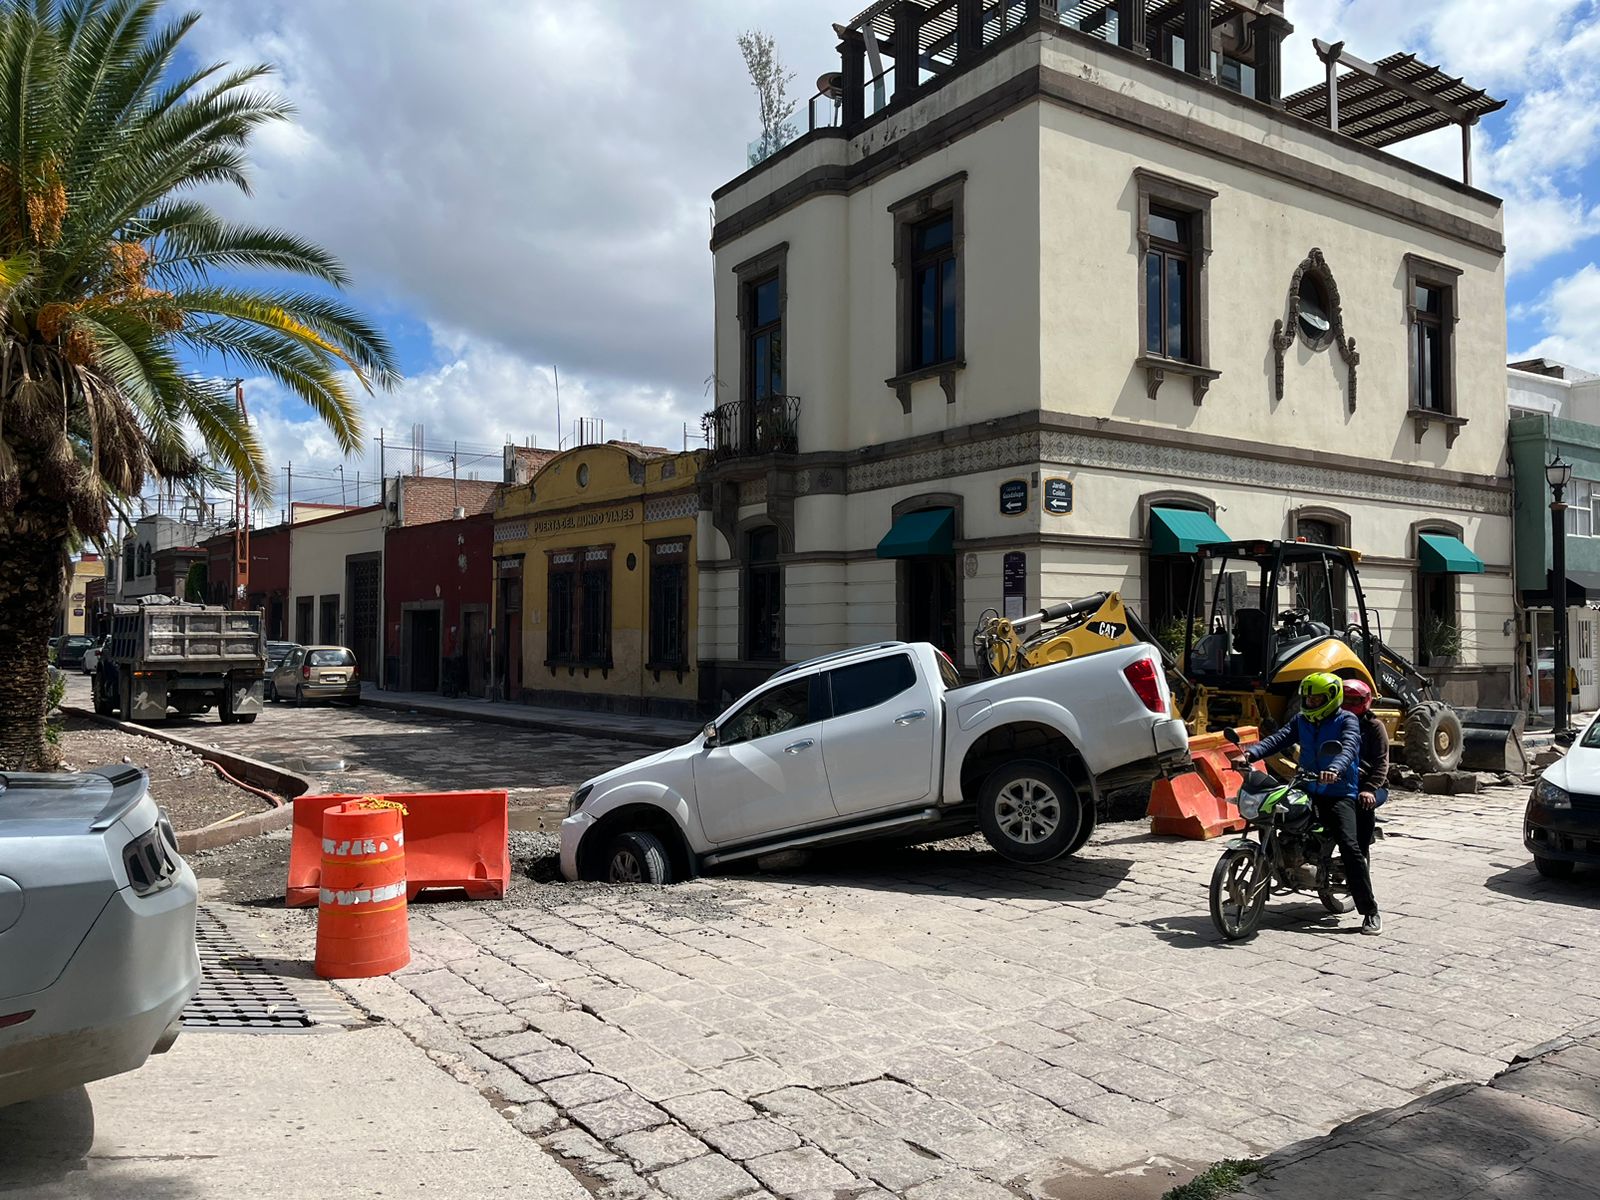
x=937, y=1023
x=345, y=749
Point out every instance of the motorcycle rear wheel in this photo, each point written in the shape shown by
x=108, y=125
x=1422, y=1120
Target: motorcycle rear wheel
x=1239, y=888
x=1332, y=889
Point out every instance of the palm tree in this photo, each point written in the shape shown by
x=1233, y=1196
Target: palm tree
x=111, y=305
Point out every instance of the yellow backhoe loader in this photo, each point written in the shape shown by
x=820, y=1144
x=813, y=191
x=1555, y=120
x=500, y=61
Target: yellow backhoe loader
x=1262, y=615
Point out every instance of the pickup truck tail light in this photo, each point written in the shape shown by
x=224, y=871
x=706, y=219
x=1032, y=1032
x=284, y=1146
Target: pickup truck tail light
x=1146, y=684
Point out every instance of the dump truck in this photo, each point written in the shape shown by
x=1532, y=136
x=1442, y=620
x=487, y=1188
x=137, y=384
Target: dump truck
x=162, y=654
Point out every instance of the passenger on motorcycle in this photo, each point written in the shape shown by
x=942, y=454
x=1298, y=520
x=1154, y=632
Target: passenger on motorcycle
x=1321, y=720
x=1374, y=773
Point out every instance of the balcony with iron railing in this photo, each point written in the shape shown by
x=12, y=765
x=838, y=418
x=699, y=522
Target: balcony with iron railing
x=751, y=428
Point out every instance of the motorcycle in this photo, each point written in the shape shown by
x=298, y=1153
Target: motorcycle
x=1291, y=853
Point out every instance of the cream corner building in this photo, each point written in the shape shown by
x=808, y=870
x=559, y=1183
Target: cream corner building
x=954, y=305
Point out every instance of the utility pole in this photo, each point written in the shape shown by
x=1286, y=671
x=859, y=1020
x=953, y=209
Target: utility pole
x=290, y=470
x=381, y=473
x=241, y=519
x=557, y=371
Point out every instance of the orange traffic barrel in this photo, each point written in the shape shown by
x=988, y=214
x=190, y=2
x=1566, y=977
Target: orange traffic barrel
x=361, y=912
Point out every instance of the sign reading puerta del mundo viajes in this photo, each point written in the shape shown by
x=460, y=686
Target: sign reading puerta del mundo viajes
x=623, y=515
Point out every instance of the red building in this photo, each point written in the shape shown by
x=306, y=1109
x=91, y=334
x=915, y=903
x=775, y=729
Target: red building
x=268, y=587
x=436, y=602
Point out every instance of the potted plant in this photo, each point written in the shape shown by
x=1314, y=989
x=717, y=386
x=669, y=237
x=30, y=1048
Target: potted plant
x=1441, y=642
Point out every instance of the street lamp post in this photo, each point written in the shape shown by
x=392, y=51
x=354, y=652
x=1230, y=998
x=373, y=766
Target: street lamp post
x=1557, y=474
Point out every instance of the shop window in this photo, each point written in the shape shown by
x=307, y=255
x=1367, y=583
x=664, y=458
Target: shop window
x=763, y=593
x=579, y=607
x=1438, y=616
x=669, y=604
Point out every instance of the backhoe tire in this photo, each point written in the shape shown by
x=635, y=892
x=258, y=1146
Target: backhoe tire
x=1029, y=811
x=1432, y=738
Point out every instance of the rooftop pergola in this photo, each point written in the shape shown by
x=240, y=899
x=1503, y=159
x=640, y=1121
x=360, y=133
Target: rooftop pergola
x=1393, y=100
x=937, y=34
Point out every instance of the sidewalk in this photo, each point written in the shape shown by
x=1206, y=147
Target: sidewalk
x=1533, y=1132
x=646, y=731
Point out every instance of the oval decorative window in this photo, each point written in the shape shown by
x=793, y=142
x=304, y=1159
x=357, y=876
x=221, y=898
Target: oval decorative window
x=1314, y=318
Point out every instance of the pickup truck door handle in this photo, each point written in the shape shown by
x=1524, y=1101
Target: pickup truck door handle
x=796, y=747
x=916, y=714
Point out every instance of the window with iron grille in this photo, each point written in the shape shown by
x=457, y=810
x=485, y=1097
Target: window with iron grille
x=579, y=608
x=669, y=604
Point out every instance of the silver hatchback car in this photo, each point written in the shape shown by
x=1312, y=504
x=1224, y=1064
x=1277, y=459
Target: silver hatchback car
x=97, y=941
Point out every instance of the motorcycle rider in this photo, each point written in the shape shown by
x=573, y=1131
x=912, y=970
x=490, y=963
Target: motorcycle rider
x=1374, y=774
x=1322, y=720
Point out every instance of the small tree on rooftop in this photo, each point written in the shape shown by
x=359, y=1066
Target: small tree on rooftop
x=771, y=83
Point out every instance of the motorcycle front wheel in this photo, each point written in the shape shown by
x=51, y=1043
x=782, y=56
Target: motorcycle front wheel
x=1332, y=888
x=1239, y=888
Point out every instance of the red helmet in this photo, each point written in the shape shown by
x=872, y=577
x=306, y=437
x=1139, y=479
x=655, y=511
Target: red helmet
x=1357, y=696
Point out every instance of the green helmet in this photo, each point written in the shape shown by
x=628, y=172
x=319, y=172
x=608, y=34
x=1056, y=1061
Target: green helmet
x=1321, y=694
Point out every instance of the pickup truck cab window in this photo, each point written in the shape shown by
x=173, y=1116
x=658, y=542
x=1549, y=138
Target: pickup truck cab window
x=774, y=711
x=869, y=684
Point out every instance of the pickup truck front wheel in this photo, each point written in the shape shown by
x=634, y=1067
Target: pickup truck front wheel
x=638, y=858
x=1029, y=811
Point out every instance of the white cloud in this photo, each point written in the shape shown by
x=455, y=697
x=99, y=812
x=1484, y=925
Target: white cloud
x=1571, y=310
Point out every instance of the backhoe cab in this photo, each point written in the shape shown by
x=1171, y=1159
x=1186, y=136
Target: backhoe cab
x=1264, y=615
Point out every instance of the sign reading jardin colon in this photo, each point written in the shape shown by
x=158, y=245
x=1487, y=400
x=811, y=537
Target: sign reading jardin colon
x=1058, y=496
x=584, y=520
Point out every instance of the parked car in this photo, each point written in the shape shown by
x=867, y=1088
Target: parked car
x=1561, y=827
x=91, y=656
x=70, y=649
x=886, y=742
x=97, y=946
x=318, y=673
x=276, y=653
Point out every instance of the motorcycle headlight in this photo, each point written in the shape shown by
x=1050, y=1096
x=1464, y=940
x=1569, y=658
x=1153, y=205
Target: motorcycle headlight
x=578, y=797
x=1548, y=795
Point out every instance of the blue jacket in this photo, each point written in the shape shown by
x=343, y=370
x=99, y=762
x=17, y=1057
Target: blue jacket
x=1309, y=735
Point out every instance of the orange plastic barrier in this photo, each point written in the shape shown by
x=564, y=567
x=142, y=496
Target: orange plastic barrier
x=1185, y=807
x=361, y=913
x=453, y=840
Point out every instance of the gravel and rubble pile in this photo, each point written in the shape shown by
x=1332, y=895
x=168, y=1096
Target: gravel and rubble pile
x=193, y=794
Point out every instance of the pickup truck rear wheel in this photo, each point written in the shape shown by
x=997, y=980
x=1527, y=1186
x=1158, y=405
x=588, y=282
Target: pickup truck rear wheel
x=638, y=858
x=1030, y=812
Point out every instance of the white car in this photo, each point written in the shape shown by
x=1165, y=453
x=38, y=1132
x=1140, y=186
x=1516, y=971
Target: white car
x=91, y=656
x=1561, y=826
x=883, y=742
x=97, y=942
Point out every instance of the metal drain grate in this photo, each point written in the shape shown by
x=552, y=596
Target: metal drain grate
x=236, y=989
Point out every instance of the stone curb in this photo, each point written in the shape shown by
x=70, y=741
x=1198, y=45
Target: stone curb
x=264, y=775
x=637, y=737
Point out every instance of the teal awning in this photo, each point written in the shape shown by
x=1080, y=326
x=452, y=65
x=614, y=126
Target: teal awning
x=1182, y=531
x=920, y=534
x=1442, y=554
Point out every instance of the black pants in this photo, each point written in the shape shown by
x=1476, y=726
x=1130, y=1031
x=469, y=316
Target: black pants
x=1342, y=818
x=1366, y=826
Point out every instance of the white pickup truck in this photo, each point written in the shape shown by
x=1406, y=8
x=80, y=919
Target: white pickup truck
x=883, y=741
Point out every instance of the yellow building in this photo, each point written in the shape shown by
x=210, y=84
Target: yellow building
x=595, y=601
x=75, y=605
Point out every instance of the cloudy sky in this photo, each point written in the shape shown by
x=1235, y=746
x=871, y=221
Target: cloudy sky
x=521, y=186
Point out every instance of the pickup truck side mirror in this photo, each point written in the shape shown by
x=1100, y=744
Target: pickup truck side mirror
x=710, y=734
